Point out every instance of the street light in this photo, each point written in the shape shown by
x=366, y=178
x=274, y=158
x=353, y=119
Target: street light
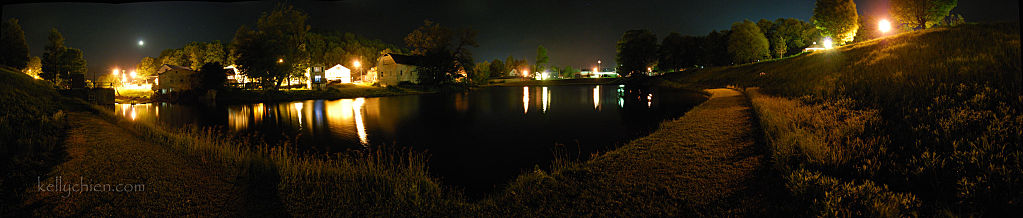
x=280, y=60
x=114, y=72
x=525, y=73
x=356, y=64
x=827, y=43
x=884, y=26
x=133, y=74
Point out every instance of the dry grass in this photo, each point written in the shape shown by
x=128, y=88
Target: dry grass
x=940, y=114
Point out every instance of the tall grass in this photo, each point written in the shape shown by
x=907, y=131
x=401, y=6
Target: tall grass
x=32, y=132
x=948, y=104
x=362, y=183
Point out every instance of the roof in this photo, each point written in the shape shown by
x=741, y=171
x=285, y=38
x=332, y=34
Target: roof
x=173, y=67
x=406, y=59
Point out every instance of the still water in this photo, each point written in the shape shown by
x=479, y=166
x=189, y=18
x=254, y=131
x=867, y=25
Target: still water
x=477, y=141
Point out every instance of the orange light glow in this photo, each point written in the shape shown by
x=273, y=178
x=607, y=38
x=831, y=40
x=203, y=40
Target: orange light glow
x=884, y=26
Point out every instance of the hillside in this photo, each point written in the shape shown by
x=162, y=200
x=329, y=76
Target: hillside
x=929, y=121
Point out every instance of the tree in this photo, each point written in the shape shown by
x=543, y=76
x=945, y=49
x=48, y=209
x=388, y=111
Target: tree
x=541, y=59
x=147, y=67
x=481, y=72
x=498, y=68
x=212, y=76
x=275, y=49
x=921, y=14
x=715, y=49
x=836, y=19
x=796, y=33
x=778, y=46
x=34, y=67
x=445, y=52
x=214, y=52
x=746, y=43
x=13, y=47
x=671, y=55
x=516, y=64
x=569, y=72
x=59, y=61
x=636, y=51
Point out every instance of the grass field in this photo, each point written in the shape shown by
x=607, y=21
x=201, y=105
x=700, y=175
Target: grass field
x=926, y=122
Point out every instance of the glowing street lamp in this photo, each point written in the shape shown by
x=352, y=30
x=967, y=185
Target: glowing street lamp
x=827, y=43
x=114, y=72
x=525, y=73
x=133, y=74
x=884, y=26
x=356, y=64
x=280, y=60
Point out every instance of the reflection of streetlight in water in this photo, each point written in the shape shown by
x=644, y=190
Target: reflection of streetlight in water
x=360, y=127
x=525, y=99
x=596, y=97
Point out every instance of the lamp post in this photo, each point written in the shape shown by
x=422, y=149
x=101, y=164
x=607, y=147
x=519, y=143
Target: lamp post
x=884, y=26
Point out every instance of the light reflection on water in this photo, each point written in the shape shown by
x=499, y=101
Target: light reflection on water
x=475, y=140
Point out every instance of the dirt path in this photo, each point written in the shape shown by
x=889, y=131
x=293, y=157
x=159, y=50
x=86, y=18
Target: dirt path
x=707, y=162
x=102, y=153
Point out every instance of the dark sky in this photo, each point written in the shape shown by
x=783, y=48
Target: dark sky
x=576, y=32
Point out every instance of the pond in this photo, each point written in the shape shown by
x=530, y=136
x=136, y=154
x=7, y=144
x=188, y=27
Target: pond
x=476, y=141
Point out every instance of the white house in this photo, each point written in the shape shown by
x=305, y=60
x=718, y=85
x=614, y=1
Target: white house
x=395, y=68
x=339, y=73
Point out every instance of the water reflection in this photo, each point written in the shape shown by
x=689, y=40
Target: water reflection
x=475, y=140
x=546, y=99
x=525, y=99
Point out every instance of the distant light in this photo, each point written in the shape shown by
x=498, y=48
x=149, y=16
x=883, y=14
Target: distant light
x=133, y=74
x=142, y=43
x=115, y=72
x=280, y=60
x=525, y=73
x=649, y=69
x=598, y=61
x=356, y=64
x=827, y=43
x=884, y=26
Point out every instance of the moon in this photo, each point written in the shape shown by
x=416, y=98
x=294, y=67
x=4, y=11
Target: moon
x=142, y=43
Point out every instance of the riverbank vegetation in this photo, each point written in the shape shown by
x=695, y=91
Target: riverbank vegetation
x=925, y=122
x=32, y=131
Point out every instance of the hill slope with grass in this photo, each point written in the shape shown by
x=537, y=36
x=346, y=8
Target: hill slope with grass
x=32, y=126
x=925, y=122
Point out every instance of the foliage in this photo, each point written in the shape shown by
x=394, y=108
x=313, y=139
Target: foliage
x=275, y=49
x=866, y=33
x=569, y=72
x=517, y=65
x=498, y=68
x=541, y=59
x=147, y=67
x=921, y=14
x=59, y=62
x=212, y=76
x=747, y=43
x=836, y=19
x=344, y=48
x=796, y=34
x=715, y=49
x=778, y=47
x=672, y=53
x=480, y=73
x=445, y=52
x=32, y=132
x=34, y=67
x=13, y=47
x=636, y=51
x=948, y=114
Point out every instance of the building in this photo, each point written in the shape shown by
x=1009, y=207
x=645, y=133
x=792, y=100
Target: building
x=339, y=73
x=170, y=78
x=395, y=68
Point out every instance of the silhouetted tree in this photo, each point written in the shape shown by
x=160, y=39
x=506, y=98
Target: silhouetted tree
x=672, y=53
x=715, y=49
x=13, y=47
x=836, y=19
x=746, y=43
x=921, y=14
x=275, y=49
x=60, y=61
x=498, y=68
x=445, y=52
x=212, y=76
x=796, y=33
x=541, y=59
x=636, y=51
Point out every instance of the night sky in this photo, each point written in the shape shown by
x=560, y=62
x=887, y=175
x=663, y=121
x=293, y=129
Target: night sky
x=575, y=32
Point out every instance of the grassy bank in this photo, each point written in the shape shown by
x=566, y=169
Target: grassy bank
x=32, y=130
x=362, y=183
x=926, y=122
